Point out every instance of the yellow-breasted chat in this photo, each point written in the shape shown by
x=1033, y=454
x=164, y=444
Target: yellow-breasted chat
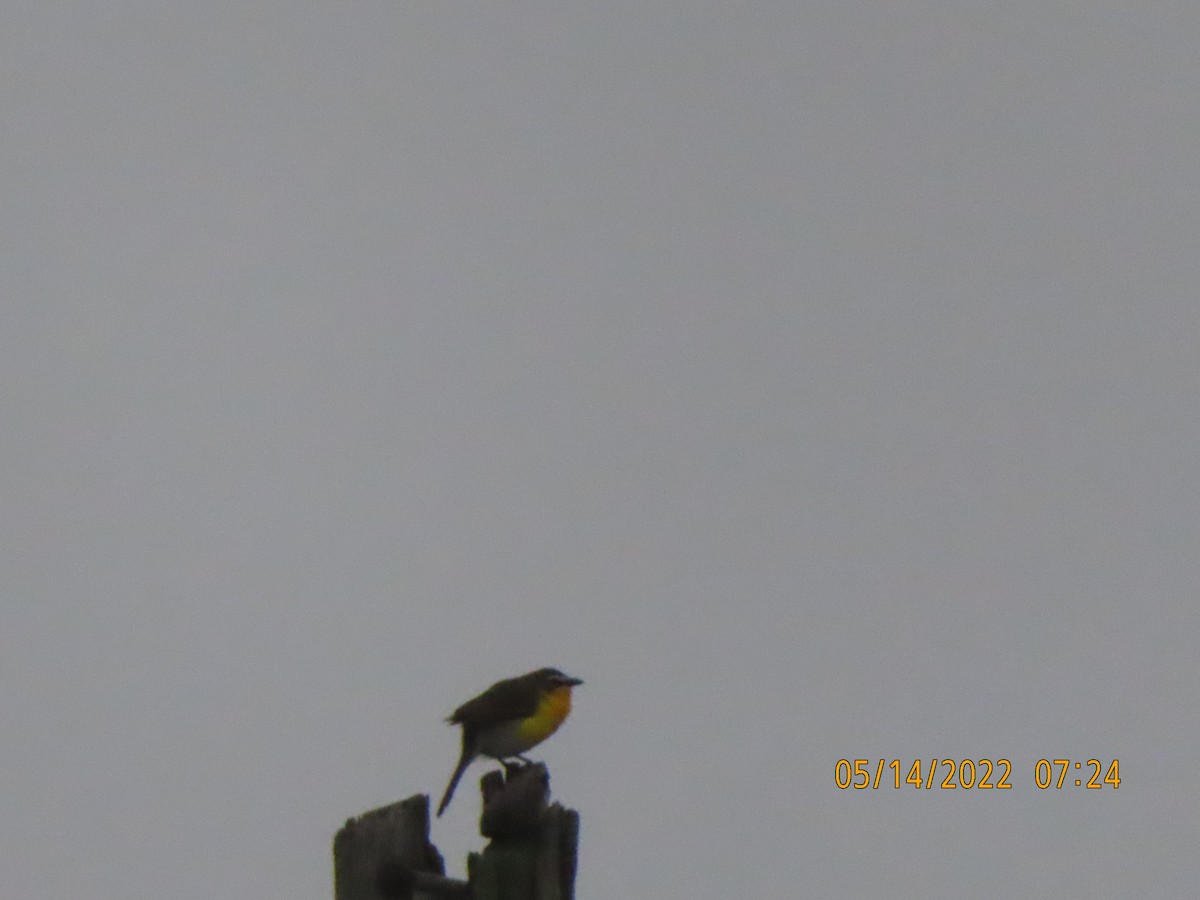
x=510, y=717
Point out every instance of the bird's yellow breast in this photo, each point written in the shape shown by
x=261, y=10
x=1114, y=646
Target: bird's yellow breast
x=552, y=709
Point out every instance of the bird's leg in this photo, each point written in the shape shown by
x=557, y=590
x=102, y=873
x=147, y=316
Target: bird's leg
x=512, y=768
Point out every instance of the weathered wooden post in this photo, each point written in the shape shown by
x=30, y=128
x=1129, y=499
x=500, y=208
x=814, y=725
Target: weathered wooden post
x=386, y=854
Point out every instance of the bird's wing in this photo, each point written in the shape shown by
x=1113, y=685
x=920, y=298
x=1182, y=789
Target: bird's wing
x=513, y=695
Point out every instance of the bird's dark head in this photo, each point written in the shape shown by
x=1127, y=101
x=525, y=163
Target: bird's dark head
x=550, y=679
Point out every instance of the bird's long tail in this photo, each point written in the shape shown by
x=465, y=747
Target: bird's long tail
x=463, y=762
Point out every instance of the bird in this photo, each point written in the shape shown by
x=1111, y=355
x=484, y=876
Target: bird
x=509, y=718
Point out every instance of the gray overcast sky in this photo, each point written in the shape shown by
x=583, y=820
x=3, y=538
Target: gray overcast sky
x=815, y=380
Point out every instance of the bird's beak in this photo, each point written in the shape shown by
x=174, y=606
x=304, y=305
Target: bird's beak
x=573, y=682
